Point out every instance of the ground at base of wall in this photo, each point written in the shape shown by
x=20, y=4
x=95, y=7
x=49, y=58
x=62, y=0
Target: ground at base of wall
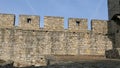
x=84, y=64
x=77, y=62
x=81, y=62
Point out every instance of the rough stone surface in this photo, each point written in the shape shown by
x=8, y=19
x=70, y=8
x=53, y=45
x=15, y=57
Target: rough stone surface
x=54, y=23
x=7, y=20
x=29, y=22
x=113, y=8
x=100, y=26
x=114, y=53
x=6, y=64
x=77, y=25
x=28, y=44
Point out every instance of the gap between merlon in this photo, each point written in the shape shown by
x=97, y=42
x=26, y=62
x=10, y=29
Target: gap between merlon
x=42, y=22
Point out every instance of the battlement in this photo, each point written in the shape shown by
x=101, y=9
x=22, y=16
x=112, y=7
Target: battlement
x=29, y=44
x=29, y=22
x=7, y=20
x=53, y=23
x=77, y=24
x=99, y=26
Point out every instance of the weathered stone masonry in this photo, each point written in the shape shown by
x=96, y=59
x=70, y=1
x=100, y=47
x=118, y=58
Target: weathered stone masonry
x=28, y=42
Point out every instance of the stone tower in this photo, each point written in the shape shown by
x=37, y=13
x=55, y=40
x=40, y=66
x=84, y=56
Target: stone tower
x=114, y=28
x=114, y=21
x=113, y=8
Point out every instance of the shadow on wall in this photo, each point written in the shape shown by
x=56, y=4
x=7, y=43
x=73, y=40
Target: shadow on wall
x=114, y=36
x=114, y=28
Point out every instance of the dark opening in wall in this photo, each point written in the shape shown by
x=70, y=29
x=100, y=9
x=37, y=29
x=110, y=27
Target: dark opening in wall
x=77, y=23
x=14, y=21
x=117, y=31
x=73, y=32
x=41, y=58
x=116, y=18
x=119, y=3
x=29, y=20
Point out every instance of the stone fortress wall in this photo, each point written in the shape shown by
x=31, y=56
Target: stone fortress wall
x=28, y=43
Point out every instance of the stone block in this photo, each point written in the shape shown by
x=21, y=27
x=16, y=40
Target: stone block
x=7, y=64
x=113, y=53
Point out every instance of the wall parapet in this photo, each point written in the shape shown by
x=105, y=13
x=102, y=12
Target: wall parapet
x=77, y=24
x=53, y=23
x=7, y=20
x=99, y=26
x=27, y=42
x=29, y=22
